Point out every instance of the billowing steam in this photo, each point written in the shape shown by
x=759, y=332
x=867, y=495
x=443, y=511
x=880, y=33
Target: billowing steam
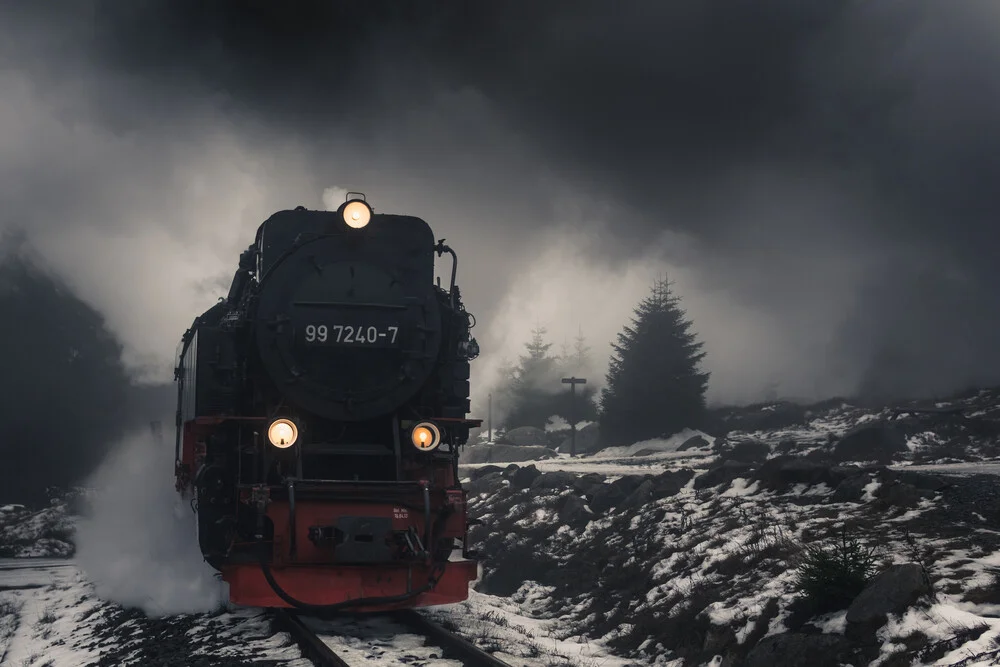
x=138, y=544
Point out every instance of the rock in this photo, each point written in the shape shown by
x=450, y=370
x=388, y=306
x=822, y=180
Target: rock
x=574, y=511
x=920, y=480
x=522, y=478
x=893, y=591
x=786, y=447
x=694, y=442
x=782, y=472
x=587, y=440
x=764, y=417
x=900, y=494
x=605, y=497
x=851, y=489
x=671, y=482
x=746, y=451
x=476, y=473
x=719, y=639
x=584, y=483
x=879, y=442
x=797, y=649
x=486, y=484
x=628, y=483
x=525, y=436
x=558, y=479
x=723, y=473
x=645, y=452
x=503, y=454
x=640, y=497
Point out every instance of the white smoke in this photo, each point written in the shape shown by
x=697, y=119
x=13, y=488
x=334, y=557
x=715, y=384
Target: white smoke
x=138, y=544
x=333, y=197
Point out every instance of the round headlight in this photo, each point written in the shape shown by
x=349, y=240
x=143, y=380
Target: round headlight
x=357, y=213
x=425, y=436
x=282, y=433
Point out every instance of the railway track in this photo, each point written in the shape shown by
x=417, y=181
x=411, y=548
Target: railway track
x=351, y=641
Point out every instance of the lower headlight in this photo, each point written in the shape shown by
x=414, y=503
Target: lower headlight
x=425, y=436
x=282, y=433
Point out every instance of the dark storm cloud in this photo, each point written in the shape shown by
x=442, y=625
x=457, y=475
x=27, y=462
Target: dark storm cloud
x=831, y=164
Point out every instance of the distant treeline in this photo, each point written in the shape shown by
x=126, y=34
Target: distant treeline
x=653, y=383
x=67, y=397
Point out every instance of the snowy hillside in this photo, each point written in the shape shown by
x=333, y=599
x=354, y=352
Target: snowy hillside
x=28, y=533
x=683, y=551
x=692, y=557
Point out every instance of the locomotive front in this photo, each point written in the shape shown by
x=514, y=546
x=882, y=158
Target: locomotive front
x=321, y=407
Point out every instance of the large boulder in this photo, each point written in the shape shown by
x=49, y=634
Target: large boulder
x=670, y=482
x=503, y=454
x=893, y=591
x=488, y=483
x=587, y=440
x=920, y=480
x=900, y=494
x=476, y=473
x=521, y=478
x=745, y=451
x=782, y=472
x=584, y=483
x=723, y=473
x=574, y=511
x=852, y=489
x=525, y=436
x=761, y=417
x=880, y=442
x=797, y=649
x=641, y=496
x=557, y=479
x=604, y=497
x=694, y=442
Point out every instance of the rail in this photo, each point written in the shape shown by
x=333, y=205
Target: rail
x=320, y=654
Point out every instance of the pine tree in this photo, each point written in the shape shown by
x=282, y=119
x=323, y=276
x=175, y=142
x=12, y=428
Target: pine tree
x=654, y=386
x=530, y=389
x=581, y=352
x=578, y=364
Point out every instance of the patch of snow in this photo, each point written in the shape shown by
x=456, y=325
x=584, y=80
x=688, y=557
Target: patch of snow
x=656, y=444
x=511, y=629
x=741, y=487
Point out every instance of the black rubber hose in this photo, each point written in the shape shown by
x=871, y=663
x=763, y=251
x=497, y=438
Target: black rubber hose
x=299, y=604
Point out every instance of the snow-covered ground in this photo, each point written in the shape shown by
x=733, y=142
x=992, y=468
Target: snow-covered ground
x=672, y=552
x=691, y=558
x=50, y=616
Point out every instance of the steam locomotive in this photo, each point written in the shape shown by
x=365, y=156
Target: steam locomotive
x=320, y=409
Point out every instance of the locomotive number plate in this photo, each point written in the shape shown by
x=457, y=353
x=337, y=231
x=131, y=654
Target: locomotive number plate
x=359, y=333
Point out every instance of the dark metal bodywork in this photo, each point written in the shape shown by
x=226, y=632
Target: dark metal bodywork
x=351, y=514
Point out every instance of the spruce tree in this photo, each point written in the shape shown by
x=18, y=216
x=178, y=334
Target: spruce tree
x=531, y=390
x=654, y=387
x=581, y=352
x=575, y=361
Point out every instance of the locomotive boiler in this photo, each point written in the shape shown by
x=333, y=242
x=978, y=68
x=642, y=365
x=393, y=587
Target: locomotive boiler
x=321, y=408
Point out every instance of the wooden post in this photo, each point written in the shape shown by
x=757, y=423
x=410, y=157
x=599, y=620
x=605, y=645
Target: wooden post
x=572, y=382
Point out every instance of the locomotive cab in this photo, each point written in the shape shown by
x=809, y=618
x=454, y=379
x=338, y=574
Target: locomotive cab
x=321, y=407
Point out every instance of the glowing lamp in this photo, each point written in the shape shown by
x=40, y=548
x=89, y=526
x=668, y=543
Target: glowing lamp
x=425, y=436
x=356, y=213
x=282, y=433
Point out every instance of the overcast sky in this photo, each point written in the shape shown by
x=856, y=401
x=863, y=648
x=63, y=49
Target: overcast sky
x=818, y=178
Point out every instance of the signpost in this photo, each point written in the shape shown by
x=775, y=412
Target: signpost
x=572, y=382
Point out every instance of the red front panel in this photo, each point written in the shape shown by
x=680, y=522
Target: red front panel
x=335, y=584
